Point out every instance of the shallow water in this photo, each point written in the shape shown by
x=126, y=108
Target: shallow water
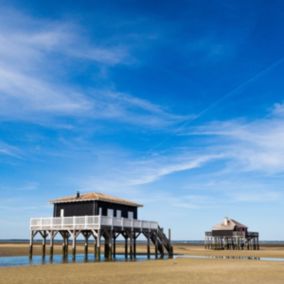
x=276, y=259
x=6, y=261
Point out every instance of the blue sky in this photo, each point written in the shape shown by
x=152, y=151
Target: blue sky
x=175, y=104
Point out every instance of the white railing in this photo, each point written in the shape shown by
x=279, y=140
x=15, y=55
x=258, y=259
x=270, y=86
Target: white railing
x=88, y=223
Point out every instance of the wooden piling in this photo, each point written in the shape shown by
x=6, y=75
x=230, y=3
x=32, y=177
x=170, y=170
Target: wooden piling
x=63, y=245
x=114, y=246
x=110, y=233
x=134, y=246
x=98, y=249
x=67, y=244
x=126, y=247
x=156, y=246
x=44, y=244
x=106, y=245
x=31, y=244
x=95, y=247
x=86, y=244
x=148, y=246
x=51, y=245
x=131, y=245
x=74, y=238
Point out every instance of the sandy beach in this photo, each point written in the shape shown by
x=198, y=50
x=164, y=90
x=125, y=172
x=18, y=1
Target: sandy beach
x=154, y=271
x=160, y=271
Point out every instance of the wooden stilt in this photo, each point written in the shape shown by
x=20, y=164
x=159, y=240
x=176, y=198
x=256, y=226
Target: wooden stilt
x=86, y=244
x=134, y=246
x=95, y=247
x=131, y=245
x=126, y=247
x=44, y=235
x=106, y=250
x=98, y=250
x=156, y=246
x=51, y=244
x=67, y=244
x=114, y=245
x=162, y=251
x=110, y=238
x=148, y=246
x=63, y=244
x=31, y=244
x=74, y=238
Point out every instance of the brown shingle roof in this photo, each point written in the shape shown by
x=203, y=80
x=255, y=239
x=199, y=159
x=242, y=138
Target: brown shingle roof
x=228, y=224
x=92, y=196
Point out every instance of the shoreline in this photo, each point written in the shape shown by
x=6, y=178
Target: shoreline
x=275, y=251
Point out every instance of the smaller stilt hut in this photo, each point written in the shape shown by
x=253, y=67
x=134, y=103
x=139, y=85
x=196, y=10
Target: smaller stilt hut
x=230, y=234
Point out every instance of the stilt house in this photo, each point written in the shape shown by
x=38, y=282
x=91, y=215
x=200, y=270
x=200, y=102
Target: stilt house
x=231, y=234
x=96, y=216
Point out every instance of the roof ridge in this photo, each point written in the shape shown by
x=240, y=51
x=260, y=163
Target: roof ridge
x=89, y=196
x=227, y=224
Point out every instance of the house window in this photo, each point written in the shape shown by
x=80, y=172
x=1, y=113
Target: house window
x=130, y=215
x=110, y=212
x=118, y=213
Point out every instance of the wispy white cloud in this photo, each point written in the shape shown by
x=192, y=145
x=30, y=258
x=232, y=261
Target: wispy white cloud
x=227, y=197
x=9, y=150
x=136, y=172
x=24, y=95
x=24, y=38
x=126, y=108
x=218, y=197
x=250, y=146
x=222, y=193
x=35, y=56
x=154, y=169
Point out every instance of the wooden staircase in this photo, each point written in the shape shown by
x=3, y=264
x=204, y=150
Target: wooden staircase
x=163, y=242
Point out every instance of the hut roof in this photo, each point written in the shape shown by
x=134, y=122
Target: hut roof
x=228, y=224
x=92, y=196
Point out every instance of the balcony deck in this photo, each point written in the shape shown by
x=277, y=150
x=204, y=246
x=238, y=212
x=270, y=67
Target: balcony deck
x=89, y=223
x=232, y=234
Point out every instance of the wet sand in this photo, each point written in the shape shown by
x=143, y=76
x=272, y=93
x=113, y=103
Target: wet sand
x=156, y=272
x=265, y=251
x=172, y=271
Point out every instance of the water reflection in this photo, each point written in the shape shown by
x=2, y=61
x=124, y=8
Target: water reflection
x=80, y=258
x=58, y=259
x=230, y=257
